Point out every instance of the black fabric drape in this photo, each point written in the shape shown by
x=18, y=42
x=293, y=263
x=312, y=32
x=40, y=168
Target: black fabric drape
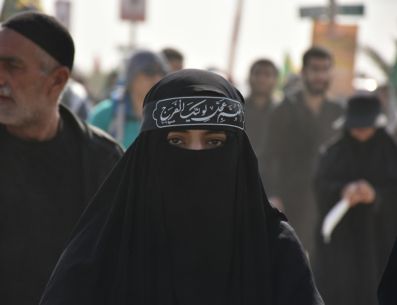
x=172, y=226
x=188, y=227
x=387, y=294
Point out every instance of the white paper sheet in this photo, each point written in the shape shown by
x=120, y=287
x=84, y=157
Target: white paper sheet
x=332, y=219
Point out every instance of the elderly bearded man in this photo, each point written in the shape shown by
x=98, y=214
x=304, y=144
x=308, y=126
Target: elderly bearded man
x=51, y=163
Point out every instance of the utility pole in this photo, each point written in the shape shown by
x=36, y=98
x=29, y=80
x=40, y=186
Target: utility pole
x=234, y=40
x=332, y=11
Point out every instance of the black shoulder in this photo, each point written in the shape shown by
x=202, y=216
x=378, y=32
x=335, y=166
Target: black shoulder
x=288, y=240
x=293, y=278
x=333, y=145
x=93, y=138
x=386, y=138
x=286, y=232
x=101, y=135
x=102, y=140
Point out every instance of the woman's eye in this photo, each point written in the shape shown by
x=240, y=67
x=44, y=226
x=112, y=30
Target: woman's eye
x=175, y=141
x=216, y=142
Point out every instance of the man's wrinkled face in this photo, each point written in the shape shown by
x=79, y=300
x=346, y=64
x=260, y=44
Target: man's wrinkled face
x=317, y=75
x=23, y=82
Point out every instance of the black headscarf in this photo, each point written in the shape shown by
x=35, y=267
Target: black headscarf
x=174, y=226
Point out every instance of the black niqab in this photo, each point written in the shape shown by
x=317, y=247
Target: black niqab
x=174, y=226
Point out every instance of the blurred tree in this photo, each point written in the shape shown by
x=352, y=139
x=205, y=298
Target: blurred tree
x=390, y=73
x=11, y=7
x=289, y=78
x=388, y=69
x=288, y=67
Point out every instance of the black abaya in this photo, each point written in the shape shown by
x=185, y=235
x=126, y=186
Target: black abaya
x=173, y=226
x=349, y=267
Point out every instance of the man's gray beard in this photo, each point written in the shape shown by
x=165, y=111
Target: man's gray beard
x=5, y=91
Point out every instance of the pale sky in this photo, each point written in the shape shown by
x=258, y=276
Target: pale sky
x=201, y=29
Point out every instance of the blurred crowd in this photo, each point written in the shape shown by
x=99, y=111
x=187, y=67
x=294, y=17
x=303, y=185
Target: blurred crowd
x=313, y=152
x=321, y=160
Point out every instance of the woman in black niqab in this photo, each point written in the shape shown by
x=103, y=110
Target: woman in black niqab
x=173, y=226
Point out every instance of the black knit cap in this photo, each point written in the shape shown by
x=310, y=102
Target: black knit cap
x=46, y=32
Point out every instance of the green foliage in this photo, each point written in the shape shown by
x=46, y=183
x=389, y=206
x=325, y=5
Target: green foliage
x=11, y=7
x=389, y=70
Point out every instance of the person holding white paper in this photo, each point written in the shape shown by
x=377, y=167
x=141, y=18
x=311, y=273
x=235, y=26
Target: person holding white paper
x=355, y=187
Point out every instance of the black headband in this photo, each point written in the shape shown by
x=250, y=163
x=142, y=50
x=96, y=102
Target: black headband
x=193, y=111
x=46, y=32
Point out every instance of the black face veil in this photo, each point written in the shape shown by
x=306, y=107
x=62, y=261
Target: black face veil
x=174, y=226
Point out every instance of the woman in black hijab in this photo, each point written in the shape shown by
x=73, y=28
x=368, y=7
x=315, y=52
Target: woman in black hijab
x=358, y=172
x=179, y=226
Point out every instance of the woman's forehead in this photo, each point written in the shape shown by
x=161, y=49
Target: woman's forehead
x=198, y=131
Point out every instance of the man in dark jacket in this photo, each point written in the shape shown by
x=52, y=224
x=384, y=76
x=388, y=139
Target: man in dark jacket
x=51, y=163
x=298, y=126
x=259, y=105
x=359, y=168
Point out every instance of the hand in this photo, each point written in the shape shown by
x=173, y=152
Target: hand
x=351, y=194
x=366, y=191
x=277, y=203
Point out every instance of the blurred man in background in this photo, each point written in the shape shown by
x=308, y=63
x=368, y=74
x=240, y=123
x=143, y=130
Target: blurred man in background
x=174, y=58
x=259, y=104
x=51, y=162
x=299, y=125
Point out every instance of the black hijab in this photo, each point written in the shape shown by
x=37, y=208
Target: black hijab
x=174, y=226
